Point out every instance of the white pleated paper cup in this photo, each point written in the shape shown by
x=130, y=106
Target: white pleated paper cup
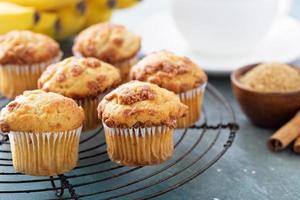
x=44, y=154
x=139, y=146
x=194, y=100
x=125, y=67
x=15, y=79
x=89, y=106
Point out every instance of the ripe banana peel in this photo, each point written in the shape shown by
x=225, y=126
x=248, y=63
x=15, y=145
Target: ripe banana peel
x=15, y=17
x=98, y=11
x=59, y=19
x=48, y=24
x=72, y=19
x=43, y=4
x=126, y=3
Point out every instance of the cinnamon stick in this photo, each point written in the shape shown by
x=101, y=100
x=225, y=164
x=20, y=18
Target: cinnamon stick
x=297, y=145
x=286, y=134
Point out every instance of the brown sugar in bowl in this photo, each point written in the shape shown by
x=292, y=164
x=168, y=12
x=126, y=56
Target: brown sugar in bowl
x=266, y=110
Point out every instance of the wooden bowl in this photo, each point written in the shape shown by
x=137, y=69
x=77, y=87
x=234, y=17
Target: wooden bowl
x=266, y=110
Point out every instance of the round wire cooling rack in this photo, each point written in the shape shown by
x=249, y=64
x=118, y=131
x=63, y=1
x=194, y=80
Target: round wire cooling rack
x=196, y=149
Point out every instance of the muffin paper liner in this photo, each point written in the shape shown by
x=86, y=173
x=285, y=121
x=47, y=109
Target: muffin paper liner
x=125, y=67
x=45, y=154
x=15, y=79
x=193, y=99
x=89, y=106
x=139, y=146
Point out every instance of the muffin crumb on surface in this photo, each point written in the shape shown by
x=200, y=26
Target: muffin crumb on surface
x=272, y=77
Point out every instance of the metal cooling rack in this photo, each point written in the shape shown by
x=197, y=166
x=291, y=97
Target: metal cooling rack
x=95, y=177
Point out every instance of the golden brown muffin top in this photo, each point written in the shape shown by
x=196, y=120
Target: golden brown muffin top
x=108, y=42
x=26, y=47
x=164, y=68
x=140, y=104
x=38, y=111
x=79, y=77
x=272, y=77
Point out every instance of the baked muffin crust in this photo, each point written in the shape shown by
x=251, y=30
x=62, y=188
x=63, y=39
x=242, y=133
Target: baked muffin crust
x=26, y=47
x=164, y=68
x=140, y=104
x=79, y=77
x=38, y=111
x=108, y=42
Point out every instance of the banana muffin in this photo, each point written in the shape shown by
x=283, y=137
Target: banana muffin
x=110, y=43
x=85, y=80
x=44, y=131
x=177, y=74
x=139, y=119
x=24, y=55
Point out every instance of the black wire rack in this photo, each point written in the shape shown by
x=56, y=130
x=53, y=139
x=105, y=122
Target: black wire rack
x=196, y=149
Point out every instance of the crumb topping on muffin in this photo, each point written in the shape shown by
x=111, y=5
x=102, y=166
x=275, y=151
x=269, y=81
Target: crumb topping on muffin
x=38, y=111
x=272, y=77
x=79, y=77
x=127, y=96
x=108, y=42
x=140, y=104
x=164, y=68
x=26, y=47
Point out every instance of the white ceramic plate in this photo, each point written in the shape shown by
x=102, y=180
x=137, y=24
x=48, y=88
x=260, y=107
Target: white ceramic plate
x=282, y=44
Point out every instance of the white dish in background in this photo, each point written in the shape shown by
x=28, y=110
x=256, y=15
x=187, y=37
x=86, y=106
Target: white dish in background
x=225, y=28
x=282, y=44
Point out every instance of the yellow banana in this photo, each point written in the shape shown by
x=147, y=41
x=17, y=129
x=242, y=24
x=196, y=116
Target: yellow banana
x=106, y=3
x=44, y=4
x=72, y=19
x=48, y=24
x=15, y=17
x=98, y=11
x=126, y=3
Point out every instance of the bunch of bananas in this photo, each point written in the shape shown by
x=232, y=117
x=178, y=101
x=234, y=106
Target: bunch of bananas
x=59, y=19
